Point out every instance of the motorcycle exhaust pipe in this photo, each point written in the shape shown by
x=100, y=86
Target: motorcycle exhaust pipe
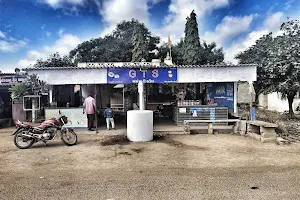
x=27, y=135
x=37, y=136
x=32, y=135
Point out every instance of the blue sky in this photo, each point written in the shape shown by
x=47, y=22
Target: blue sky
x=32, y=29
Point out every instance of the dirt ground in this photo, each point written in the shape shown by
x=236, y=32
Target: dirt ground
x=106, y=166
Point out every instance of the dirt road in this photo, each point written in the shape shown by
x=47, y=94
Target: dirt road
x=175, y=167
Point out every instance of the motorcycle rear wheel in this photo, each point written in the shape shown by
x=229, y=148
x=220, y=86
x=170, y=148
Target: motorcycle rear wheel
x=66, y=137
x=28, y=141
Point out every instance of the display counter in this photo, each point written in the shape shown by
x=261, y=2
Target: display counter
x=199, y=112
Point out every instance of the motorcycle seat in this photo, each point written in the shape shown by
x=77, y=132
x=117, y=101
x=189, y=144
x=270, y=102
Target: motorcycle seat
x=30, y=124
x=33, y=125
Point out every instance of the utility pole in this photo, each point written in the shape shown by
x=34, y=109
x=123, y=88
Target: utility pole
x=251, y=99
x=96, y=110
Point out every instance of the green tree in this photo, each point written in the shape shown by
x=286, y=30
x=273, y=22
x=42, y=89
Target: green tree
x=211, y=54
x=259, y=54
x=178, y=52
x=192, y=47
x=54, y=60
x=192, y=51
x=30, y=86
x=278, y=62
x=115, y=47
x=163, y=49
x=140, y=43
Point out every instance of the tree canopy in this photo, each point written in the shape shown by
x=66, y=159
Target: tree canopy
x=54, y=60
x=30, y=86
x=193, y=51
x=132, y=41
x=141, y=39
x=278, y=62
x=192, y=47
x=118, y=46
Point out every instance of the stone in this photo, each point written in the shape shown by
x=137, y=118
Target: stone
x=243, y=127
x=210, y=128
x=281, y=141
x=267, y=140
x=255, y=136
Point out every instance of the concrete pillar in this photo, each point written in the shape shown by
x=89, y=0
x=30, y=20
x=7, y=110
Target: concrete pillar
x=210, y=128
x=141, y=95
x=243, y=127
x=50, y=94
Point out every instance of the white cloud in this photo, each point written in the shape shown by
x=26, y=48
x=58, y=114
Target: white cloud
x=31, y=58
x=180, y=9
x=271, y=24
x=60, y=32
x=48, y=34
x=289, y=4
x=11, y=45
x=229, y=28
x=33, y=54
x=25, y=63
x=63, y=46
x=60, y=3
x=2, y=35
x=113, y=11
x=45, y=32
x=241, y=44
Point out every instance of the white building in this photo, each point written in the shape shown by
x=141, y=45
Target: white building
x=274, y=102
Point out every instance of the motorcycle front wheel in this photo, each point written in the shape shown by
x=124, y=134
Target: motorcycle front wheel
x=21, y=141
x=69, y=137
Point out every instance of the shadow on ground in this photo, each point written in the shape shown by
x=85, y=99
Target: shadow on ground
x=167, y=139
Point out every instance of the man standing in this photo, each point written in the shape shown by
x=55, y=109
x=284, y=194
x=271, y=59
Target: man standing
x=109, y=114
x=89, y=106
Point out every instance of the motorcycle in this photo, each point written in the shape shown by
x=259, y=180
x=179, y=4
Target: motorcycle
x=26, y=134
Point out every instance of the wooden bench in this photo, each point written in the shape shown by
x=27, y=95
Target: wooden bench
x=262, y=131
x=211, y=126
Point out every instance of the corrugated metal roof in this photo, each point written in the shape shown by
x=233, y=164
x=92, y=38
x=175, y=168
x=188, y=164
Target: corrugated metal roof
x=12, y=74
x=134, y=65
x=8, y=74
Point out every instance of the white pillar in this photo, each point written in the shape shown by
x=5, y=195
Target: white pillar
x=235, y=98
x=141, y=95
x=50, y=94
x=33, y=110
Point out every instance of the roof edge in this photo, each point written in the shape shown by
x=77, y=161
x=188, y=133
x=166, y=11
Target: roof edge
x=137, y=66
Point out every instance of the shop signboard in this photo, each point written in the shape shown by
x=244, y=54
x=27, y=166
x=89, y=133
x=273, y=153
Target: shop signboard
x=220, y=94
x=11, y=79
x=76, y=118
x=149, y=75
